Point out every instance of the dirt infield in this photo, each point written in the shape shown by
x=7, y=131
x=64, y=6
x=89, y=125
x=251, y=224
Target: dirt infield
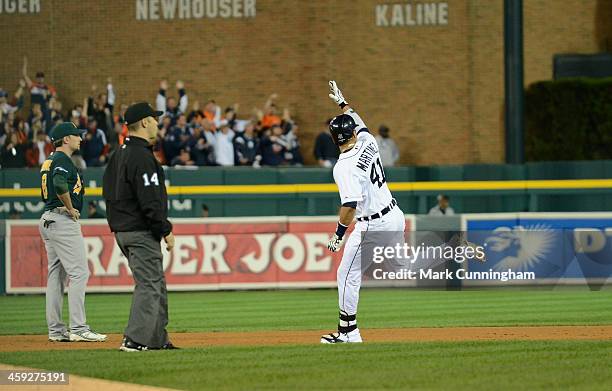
x=16, y=343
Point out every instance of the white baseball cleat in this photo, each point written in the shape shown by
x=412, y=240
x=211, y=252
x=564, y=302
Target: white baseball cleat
x=87, y=336
x=63, y=337
x=350, y=337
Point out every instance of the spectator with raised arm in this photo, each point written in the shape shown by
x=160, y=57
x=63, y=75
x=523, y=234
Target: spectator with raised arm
x=11, y=105
x=212, y=113
x=168, y=104
x=100, y=106
x=269, y=117
x=38, y=150
x=40, y=92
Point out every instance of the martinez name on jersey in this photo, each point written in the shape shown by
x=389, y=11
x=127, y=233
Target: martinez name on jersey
x=367, y=155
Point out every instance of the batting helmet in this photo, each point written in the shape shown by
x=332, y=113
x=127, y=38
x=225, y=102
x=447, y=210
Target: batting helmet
x=342, y=128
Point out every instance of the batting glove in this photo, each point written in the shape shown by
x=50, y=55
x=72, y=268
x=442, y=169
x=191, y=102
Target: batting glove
x=336, y=95
x=335, y=243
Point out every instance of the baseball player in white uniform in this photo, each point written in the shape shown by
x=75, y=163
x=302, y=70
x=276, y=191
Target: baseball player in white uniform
x=364, y=193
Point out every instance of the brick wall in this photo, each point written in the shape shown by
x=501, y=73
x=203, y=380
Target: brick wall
x=439, y=88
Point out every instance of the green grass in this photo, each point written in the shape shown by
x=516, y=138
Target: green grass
x=316, y=309
x=443, y=366
x=501, y=365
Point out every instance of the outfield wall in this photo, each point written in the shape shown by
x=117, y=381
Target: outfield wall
x=243, y=191
x=289, y=252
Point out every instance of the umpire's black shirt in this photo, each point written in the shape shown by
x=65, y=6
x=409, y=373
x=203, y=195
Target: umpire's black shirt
x=134, y=190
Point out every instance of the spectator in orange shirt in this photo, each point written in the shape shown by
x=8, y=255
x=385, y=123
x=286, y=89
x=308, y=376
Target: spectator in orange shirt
x=212, y=112
x=270, y=116
x=121, y=130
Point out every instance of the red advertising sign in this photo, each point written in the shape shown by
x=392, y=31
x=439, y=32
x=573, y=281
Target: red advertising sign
x=209, y=254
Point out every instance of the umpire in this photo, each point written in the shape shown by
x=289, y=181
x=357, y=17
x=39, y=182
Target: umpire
x=137, y=212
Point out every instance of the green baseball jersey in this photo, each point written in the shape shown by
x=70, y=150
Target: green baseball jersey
x=58, y=163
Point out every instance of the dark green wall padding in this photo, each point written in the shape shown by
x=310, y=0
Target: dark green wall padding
x=312, y=204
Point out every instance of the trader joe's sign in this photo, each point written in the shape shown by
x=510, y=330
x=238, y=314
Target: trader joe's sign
x=224, y=253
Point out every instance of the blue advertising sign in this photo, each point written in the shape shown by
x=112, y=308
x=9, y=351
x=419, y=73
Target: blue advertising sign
x=557, y=247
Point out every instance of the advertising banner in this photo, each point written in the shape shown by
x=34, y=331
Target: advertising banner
x=554, y=247
x=209, y=254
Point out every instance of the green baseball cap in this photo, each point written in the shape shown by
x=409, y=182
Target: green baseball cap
x=65, y=129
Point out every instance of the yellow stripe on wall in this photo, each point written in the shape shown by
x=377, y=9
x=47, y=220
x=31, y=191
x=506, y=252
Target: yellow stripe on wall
x=563, y=184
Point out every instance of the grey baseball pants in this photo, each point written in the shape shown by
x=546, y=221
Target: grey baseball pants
x=149, y=312
x=67, y=260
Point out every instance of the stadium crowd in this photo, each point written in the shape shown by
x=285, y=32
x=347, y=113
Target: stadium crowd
x=189, y=135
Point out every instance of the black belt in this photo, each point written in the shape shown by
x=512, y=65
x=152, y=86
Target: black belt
x=379, y=214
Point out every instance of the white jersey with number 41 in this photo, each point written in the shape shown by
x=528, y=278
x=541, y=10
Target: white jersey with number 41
x=359, y=173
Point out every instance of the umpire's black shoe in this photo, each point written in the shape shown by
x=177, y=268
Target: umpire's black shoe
x=169, y=346
x=130, y=346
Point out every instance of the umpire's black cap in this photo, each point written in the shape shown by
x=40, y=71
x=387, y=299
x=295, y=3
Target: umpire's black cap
x=139, y=111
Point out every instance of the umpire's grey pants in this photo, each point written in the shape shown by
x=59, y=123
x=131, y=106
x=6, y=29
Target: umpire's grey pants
x=66, y=258
x=149, y=312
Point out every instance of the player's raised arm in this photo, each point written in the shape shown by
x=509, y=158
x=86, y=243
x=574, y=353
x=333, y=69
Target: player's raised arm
x=336, y=95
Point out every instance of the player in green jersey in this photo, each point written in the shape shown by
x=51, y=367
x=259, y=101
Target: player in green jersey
x=62, y=191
